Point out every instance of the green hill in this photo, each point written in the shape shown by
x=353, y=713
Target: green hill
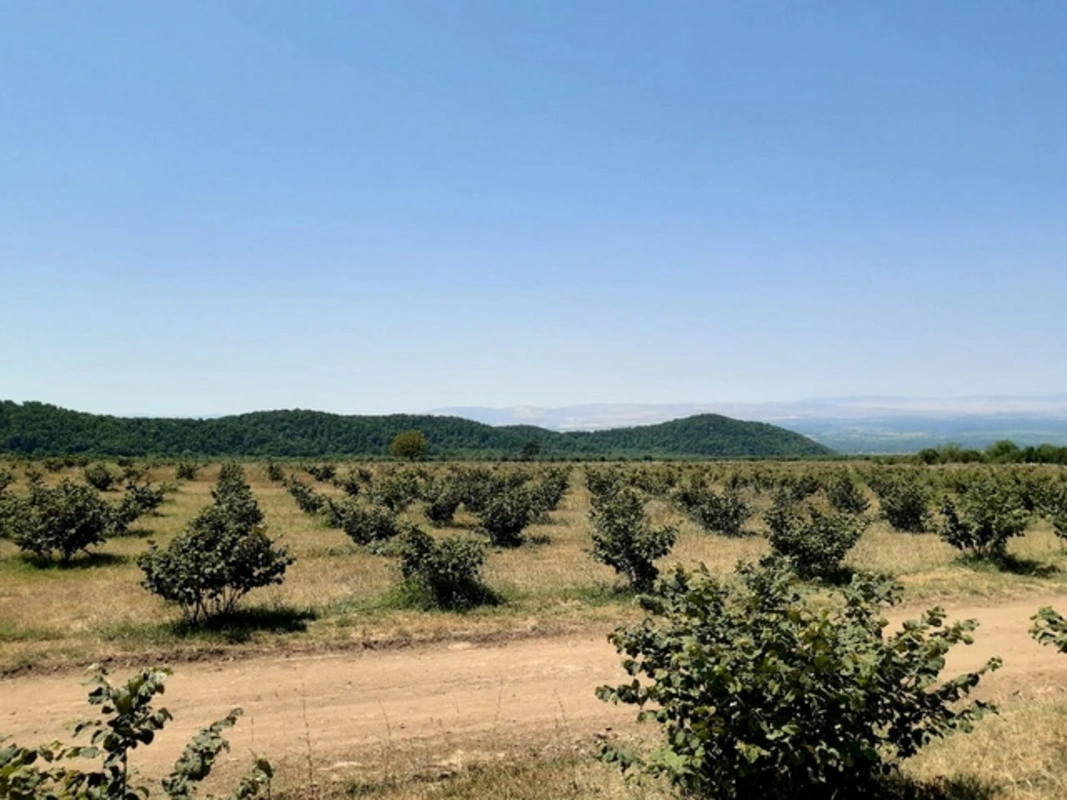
x=39, y=429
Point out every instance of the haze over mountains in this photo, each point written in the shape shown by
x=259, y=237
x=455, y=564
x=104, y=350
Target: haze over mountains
x=846, y=424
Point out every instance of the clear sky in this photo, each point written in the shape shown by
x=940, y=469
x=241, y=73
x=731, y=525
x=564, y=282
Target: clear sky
x=364, y=207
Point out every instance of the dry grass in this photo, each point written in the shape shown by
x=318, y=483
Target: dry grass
x=332, y=595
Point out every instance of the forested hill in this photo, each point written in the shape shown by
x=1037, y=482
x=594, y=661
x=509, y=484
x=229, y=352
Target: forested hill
x=39, y=429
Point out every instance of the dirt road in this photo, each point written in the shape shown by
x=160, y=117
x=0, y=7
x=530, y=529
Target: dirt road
x=441, y=705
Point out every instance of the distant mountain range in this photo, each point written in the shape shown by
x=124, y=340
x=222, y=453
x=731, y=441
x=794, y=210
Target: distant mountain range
x=846, y=424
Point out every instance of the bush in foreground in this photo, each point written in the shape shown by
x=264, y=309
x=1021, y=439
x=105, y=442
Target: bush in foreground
x=220, y=557
x=762, y=690
x=101, y=769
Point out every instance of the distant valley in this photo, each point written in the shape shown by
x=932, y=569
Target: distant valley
x=847, y=424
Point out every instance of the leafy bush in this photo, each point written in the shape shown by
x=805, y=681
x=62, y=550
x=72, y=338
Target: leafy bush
x=474, y=486
x=507, y=515
x=905, y=501
x=550, y=487
x=321, y=472
x=141, y=499
x=186, y=470
x=1050, y=628
x=100, y=477
x=221, y=556
x=7, y=477
x=724, y=513
x=350, y=483
x=624, y=539
x=603, y=481
x=60, y=521
x=445, y=573
x=441, y=509
x=846, y=496
x=396, y=489
x=275, y=474
x=127, y=719
x=984, y=518
x=307, y=499
x=762, y=690
x=363, y=525
x=813, y=541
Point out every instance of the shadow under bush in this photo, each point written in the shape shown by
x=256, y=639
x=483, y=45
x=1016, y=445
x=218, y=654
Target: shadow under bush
x=242, y=624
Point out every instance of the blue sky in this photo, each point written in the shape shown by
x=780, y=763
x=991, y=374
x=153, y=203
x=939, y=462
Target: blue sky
x=365, y=207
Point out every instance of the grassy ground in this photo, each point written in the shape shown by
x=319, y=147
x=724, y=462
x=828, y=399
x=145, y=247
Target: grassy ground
x=337, y=594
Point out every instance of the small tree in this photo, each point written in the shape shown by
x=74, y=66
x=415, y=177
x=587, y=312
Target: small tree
x=624, y=539
x=507, y=515
x=61, y=521
x=813, y=541
x=845, y=495
x=443, y=573
x=221, y=556
x=762, y=690
x=363, y=525
x=724, y=513
x=984, y=518
x=186, y=470
x=905, y=501
x=100, y=477
x=409, y=444
x=127, y=719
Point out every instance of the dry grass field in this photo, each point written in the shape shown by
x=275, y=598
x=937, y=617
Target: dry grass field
x=336, y=604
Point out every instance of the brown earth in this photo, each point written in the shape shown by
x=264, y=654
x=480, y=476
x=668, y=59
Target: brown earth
x=437, y=707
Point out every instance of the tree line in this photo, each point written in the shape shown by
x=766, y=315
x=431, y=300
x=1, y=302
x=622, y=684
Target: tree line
x=40, y=430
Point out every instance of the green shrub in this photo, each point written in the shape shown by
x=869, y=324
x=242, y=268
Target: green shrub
x=363, y=525
x=221, y=556
x=127, y=719
x=100, y=477
x=723, y=513
x=846, y=496
x=140, y=499
x=396, y=489
x=762, y=690
x=186, y=470
x=982, y=520
x=307, y=499
x=275, y=474
x=905, y=501
x=7, y=478
x=507, y=515
x=350, y=483
x=1050, y=628
x=441, y=509
x=813, y=541
x=321, y=472
x=550, y=487
x=443, y=573
x=624, y=539
x=60, y=521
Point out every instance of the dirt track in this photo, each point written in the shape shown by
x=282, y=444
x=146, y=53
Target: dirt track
x=442, y=705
